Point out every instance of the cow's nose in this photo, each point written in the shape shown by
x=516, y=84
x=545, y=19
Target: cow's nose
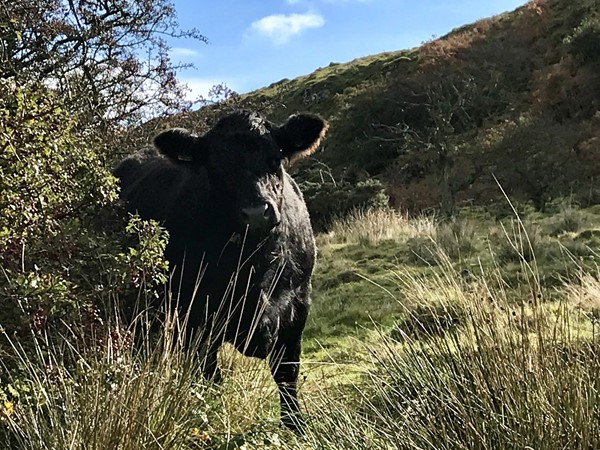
x=259, y=217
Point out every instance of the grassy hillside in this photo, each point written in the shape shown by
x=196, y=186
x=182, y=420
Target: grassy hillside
x=476, y=331
x=510, y=100
x=369, y=261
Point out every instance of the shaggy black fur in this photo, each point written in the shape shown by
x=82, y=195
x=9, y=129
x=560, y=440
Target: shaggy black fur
x=241, y=245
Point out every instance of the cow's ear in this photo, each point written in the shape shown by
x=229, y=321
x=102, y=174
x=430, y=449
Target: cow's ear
x=181, y=146
x=300, y=136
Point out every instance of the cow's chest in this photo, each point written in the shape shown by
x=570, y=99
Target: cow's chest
x=223, y=273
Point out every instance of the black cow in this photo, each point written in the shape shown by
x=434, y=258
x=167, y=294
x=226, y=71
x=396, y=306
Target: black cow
x=240, y=243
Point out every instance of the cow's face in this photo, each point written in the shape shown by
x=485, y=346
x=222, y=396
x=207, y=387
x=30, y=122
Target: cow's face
x=244, y=156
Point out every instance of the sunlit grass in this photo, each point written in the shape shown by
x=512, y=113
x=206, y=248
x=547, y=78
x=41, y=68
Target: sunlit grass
x=374, y=226
x=519, y=370
x=474, y=349
x=104, y=393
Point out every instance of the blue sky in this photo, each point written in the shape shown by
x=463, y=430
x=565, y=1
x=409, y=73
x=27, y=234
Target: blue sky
x=253, y=43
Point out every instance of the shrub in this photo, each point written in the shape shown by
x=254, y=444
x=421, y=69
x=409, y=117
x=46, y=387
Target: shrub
x=65, y=256
x=328, y=198
x=585, y=39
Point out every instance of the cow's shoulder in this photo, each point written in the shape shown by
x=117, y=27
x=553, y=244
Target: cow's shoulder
x=156, y=188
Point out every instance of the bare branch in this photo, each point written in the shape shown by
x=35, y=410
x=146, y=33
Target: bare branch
x=82, y=47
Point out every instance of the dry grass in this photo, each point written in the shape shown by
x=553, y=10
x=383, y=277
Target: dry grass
x=371, y=226
x=374, y=226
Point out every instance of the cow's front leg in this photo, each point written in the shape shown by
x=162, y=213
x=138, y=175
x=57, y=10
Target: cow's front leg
x=206, y=349
x=285, y=367
x=210, y=368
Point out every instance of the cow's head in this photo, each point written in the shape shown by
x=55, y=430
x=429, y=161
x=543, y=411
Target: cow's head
x=244, y=156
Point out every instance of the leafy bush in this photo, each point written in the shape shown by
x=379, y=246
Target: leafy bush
x=64, y=242
x=328, y=198
x=585, y=39
x=109, y=61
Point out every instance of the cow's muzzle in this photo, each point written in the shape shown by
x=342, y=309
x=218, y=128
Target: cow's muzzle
x=260, y=217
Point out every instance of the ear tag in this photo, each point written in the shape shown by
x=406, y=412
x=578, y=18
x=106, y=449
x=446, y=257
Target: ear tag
x=187, y=158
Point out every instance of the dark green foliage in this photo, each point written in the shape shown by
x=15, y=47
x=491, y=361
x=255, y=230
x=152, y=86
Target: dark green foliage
x=328, y=198
x=64, y=256
x=547, y=162
x=585, y=39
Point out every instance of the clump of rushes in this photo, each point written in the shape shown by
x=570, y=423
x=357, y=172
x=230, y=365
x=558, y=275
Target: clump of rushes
x=110, y=394
x=369, y=226
x=133, y=388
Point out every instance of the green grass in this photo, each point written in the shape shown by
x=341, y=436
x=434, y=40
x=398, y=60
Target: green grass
x=472, y=349
x=357, y=286
x=497, y=357
x=509, y=375
x=78, y=392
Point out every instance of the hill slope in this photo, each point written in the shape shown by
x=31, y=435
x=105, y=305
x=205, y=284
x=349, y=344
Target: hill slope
x=513, y=98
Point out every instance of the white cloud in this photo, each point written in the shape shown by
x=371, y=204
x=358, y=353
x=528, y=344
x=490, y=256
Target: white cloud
x=180, y=51
x=280, y=28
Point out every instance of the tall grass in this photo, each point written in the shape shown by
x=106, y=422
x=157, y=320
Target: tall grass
x=519, y=372
x=519, y=375
x=424, y=234
x=107, y=394
x=474, y=360
x=373, y=226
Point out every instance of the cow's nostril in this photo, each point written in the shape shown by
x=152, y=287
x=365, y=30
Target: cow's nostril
x=268, y=211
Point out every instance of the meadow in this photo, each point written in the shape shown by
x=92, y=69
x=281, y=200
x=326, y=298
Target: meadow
x=474, y=333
